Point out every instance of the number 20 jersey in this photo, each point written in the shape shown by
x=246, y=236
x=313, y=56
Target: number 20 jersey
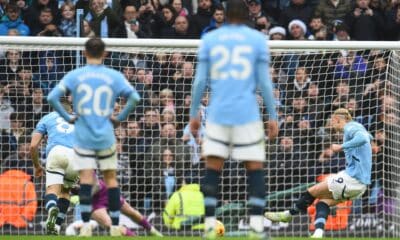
x=94, y=90
x=58, y=131
x=233, y=53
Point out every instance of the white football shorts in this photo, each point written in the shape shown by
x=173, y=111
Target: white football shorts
x=243, y=142
x=88, y=159
x=344, y=187
x=59, y=169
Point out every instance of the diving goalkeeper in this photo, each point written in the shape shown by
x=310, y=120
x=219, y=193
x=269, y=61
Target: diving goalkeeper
x=348, y=184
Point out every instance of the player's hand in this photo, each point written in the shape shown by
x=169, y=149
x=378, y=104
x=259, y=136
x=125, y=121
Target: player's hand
x=273, y=130
x=114, y=121
x=195, y=126
x=39, y=171
x=73, y=119
x=336, y=147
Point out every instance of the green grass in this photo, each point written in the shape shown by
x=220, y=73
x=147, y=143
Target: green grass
x=155, y=238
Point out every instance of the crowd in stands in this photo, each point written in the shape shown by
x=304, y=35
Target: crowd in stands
x=361, y=20
x=156, y=150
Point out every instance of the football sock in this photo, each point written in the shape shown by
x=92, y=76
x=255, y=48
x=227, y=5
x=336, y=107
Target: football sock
x=50, y=201
x=114, y=205
x=85, y=198
x=209, y=187
x=256, y=186
x=63, y=205
x=302, y=203
x=322, y=214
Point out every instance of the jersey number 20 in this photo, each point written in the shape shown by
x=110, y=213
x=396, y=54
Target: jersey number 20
x=237, y=58
x=97, y=94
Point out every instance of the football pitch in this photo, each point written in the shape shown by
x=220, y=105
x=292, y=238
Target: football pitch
x=157, y=238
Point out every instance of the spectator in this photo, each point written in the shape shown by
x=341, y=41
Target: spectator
x=10, y=138
x=315, y=105
x=102, y=19
x=341, y=33
x=299, y=85
x=277, y=33
x=49, y=71
x=147, y=15
x=316, y=23
x=12, y=20
x=19, y=159
x=284, y=162
x=128, y=69
x=331, y=10
x=179, y=9
x=297, y=30
x=156, y=163
x=143, y=85
x=68, y=24
x=37, y=109
x=182, y=29
x=162, y=23
x=262, y=24
x=9, y=66
x=167, y=100
x=321, y=35
x=151, y=125
x=168, y=116
x=297, y=9
x=87, y=30
x=217, y=19
x=255, y=10
x=202, y=18
x=362, y=16
x=46, y=26
x=32, y=15
x=22, y=6
x=136, y=150
x=131, y=26
x=5, y=111
x=392, y=20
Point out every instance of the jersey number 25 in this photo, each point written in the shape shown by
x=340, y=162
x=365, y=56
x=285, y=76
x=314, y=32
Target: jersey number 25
x=231, y=63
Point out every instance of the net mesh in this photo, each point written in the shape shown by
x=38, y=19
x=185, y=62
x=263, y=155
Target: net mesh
x=157, y=153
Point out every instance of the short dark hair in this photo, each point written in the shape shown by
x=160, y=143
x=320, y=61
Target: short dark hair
x=95, y=47
x=219, y=7
x=237, y=10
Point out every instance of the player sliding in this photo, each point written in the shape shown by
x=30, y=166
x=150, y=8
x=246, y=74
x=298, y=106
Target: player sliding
x=348, y=184
x=60, y=176
x=94, y=90
x=236, y=60
x=100, y=214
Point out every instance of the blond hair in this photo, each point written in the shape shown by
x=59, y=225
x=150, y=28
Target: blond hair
x=343, y=112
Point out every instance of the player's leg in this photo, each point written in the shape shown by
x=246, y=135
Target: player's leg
x=85, y=162
x=85, y=199
x=55, y=172
x=51, y=199
x=62, y=204
x=256, y=195
x=249, y=146
x=323, y=209
x=137, y=217
x=107, y=160
x=215, y=148
x=210, y=188
x=320, y=191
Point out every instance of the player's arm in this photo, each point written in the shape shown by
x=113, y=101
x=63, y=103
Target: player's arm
x=359, y=138
x=265, y=84
x=54, y=100
x=34, y=150
x=131, y=102
x=198, y=88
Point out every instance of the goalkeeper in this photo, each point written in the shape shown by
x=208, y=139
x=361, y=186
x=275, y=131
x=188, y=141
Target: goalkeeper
x=348, y=184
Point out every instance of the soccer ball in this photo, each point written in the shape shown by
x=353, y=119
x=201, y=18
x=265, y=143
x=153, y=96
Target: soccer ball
x=220, y=229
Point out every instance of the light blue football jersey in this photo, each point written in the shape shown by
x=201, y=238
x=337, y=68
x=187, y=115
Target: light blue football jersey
x=58, y=131
x=358, y=152
x=234, y=55
x=94, y=90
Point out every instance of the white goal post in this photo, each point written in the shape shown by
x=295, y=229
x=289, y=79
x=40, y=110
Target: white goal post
x=311, y=79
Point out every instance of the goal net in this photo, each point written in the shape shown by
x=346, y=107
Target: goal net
x=157, y=153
